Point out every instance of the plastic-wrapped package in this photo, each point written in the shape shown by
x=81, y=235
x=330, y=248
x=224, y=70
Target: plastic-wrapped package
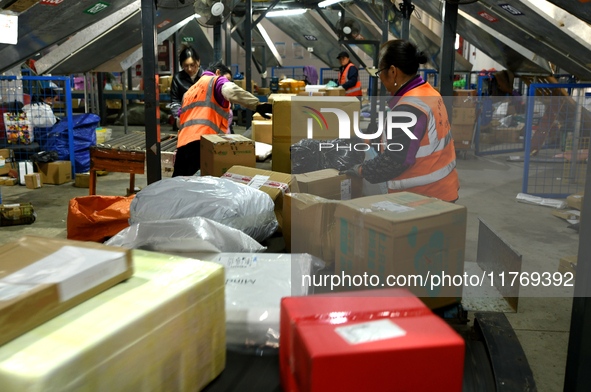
x=230, y=203
x=255, y=284
x=306, y=155
x=185, y=237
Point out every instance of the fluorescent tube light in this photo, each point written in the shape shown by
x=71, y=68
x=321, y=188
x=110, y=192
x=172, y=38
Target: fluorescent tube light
x=297, y=11
x=326, y=3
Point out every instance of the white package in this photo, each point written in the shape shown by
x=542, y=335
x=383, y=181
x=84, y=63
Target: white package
x=185, y=237
x=255, y=284
x=529, y=199
x=232, y=204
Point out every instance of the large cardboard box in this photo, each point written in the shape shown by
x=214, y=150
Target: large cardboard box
x=7, y=161
x=465, y=98
x=290, y=123
x=336, y=343
x=272, y=183
x=403, y=234
x=17, y=214
x=162, y=330
x=273, y=97
x=335, y=91
x=33, y=181
x=258, y=117
x=165, y=83
x=462, y=135
x=220, y=152
x=309, y=225
x=329, y=184
x=262, y=131
x=43, y=277
x=462, y=116
x=576, y=200
x=56, y=173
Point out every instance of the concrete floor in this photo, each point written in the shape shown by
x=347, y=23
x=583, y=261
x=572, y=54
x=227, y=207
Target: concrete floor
x=489, y=186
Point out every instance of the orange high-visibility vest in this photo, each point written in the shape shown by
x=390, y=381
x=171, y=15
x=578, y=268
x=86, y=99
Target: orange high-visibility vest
x=343, y=78
x=201, y=113
x=434, y=171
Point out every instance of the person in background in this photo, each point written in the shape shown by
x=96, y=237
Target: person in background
x=205, y=111
x=185, y=79
x=425, y=165
x=349, y=76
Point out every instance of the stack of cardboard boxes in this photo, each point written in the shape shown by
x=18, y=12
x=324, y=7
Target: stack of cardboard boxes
x=463, y=118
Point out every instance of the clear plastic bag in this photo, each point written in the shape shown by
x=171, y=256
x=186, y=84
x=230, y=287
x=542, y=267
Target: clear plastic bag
x=185, y=237
x=255, y=284
x=230, y=203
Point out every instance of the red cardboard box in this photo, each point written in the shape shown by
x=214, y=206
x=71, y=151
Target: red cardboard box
x=378, y=340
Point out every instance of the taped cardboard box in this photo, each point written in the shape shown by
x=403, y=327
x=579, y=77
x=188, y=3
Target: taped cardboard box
x=17, y=214
x=41, y=278
x=576, y=200
x=162, y=330
x=220, y=152
x=262, y=131
x=264, y=91
x=58, y=172
x=33, y=181
x=403, y=234
x=309, y=225
x=290, y=123
x=462, y=116
x=272, y=183
x=10, y=182
x=7, y=161
x=568, y=264
x=273, y=97
x=329, y=184
x=82, y=180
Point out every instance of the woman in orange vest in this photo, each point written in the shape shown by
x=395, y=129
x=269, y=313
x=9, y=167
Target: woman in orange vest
x=426, y=165
x=349, y=76
x=205, y=111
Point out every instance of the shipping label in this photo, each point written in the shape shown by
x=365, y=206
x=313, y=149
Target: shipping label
x=371, y=331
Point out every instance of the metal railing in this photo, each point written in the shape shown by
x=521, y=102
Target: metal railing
x=296, y=73
x=29, y=112
x=557, y=145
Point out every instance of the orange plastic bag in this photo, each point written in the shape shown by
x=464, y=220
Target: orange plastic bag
x=97, y=218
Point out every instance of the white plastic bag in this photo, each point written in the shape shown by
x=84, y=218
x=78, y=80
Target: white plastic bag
x=185, y=237
x=232, y=204
x=255, y=284
x=40, y=114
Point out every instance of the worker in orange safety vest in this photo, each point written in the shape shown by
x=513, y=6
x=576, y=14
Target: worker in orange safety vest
x=426, y=163
x=205, y=111
x=349, y=76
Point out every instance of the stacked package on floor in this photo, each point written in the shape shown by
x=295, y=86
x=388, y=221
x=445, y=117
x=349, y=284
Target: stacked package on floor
x=162, y=330
x=382, y=340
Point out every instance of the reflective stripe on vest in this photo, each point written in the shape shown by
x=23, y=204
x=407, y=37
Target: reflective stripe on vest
x=423, y=180
x=344, y=77
x=203, y=115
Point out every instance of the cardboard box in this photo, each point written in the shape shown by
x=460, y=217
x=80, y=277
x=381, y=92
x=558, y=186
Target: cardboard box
x=220, y=152
x=567, y=214
x=403, y=234
x=335, y=343
x=103, y=338
x=291, y=86
x=330, y=185
x=82, y=180
x=273, y=97
x=258, y=117
x=33, y=181
x=274, y=184
x=461, y=133
x=462, y=116
x=21, y=5
x=10, y=182
x=465, y=98
x=114, y=104
x=510, y=135
x=72, y=273
x=335, y=92
x=7, y=161
x=242, y=84
x=465, y=93
x=56, y=173
x=576, y=200
x=309, y=225
x=487, y=138
x=568, y=264
x=164, y=83
x=290, y=122
x=264, y=91
x=16, y=214
x=262, y=131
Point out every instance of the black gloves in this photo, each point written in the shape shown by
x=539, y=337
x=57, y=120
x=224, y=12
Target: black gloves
x=264, y=108
x=352, y=172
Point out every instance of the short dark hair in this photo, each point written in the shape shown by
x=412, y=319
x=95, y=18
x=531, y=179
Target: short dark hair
x=218, y=65
x=187, y=52
x=402, y=54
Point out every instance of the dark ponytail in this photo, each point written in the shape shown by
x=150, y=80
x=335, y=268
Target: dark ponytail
x=402, y=54
x=187, y=52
